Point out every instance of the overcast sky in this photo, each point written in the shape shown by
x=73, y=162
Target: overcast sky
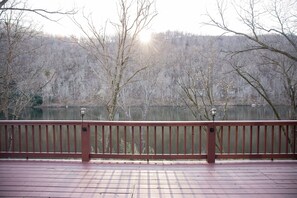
x=181, y=15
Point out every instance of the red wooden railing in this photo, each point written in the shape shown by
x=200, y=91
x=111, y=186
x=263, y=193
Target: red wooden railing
x=148, y=140
x=260, y=139
x=40, y=139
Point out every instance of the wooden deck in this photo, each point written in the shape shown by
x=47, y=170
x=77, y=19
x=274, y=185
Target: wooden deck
x=139, y=179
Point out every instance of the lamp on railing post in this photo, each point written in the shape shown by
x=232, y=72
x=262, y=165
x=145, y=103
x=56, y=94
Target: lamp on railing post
x=85, y=137
x=213, y=113
x=82, y=113
x=211, y=140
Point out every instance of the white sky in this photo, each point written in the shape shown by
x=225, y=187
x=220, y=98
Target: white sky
x=180, y=15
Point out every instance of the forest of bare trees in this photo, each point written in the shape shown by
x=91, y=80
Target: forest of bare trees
x=257, y=67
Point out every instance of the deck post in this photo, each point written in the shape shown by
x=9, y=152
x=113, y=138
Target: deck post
x=211, y=143
x=85, y=143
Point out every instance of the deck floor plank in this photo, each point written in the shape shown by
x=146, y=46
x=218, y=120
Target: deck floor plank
x=110, y=179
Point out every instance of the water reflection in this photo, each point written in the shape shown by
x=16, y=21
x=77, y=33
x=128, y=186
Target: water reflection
x=157, y=113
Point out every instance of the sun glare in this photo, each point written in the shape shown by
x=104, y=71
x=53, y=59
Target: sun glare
x=145, y=37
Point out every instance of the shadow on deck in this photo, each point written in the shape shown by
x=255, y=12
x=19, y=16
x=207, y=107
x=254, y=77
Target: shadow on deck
x=21, y=178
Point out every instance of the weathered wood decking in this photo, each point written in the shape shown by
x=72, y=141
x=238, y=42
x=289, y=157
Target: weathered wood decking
x=138, y=179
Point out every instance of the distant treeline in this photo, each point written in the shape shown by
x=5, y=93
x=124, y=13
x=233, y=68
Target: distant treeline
x=174, y=61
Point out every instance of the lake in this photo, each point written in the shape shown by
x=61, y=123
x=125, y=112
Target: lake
x=156, y=113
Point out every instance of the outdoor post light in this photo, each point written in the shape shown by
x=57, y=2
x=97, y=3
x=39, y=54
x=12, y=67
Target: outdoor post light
x=82, y=113
x=213, y=112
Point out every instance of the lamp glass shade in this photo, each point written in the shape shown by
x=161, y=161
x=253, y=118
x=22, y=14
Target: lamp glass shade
x=82, y=111
x=213, y=111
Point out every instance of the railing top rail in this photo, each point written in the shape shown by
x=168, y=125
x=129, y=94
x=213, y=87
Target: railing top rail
x=40, y=122
x=255, y=122
x=151, y=123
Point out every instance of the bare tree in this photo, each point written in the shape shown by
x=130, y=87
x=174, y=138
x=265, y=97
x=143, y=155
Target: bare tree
x=20, y=77
x=199, y=80
x=270, y=30
x=112, y=54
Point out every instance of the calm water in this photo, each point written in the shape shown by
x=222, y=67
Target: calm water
x=160, y=113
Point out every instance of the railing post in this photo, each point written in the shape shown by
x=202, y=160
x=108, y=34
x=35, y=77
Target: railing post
x=211, y=143
x=85, y=143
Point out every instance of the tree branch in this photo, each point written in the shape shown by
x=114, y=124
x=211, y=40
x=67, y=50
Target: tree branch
x=41, y=12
